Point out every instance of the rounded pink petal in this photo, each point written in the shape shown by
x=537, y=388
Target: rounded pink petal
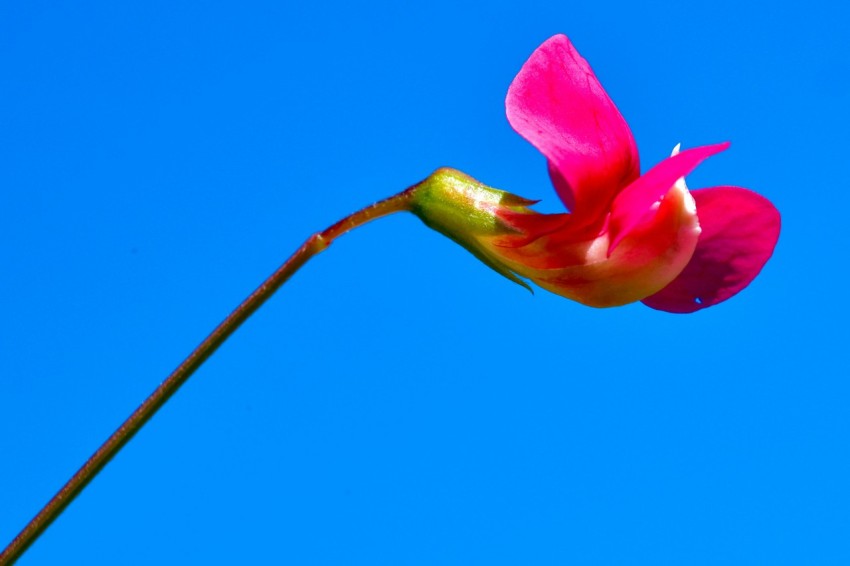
x=636, y=201
x=739, y=232
x=557, y=104
x=645, y=262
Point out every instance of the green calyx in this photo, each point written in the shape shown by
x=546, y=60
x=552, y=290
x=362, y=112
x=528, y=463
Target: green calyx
x=468, y=212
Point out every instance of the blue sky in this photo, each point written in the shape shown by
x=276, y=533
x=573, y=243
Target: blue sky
x=397, y=402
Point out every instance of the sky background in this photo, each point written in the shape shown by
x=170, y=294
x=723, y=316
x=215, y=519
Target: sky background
x=397, y=402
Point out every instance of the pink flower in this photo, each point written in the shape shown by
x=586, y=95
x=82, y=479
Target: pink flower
x=628, y=237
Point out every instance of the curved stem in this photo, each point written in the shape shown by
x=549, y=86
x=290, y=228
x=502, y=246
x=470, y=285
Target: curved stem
x=315, y=244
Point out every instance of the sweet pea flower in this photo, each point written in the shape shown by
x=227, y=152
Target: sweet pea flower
x=627, y=237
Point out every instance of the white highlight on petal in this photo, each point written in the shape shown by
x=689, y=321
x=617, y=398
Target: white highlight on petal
x=680, y=183
x=689, y=203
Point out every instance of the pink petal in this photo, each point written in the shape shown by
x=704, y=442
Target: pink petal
x=739, y=231
x=633, y=204
x=651, y=257
x=557, y=104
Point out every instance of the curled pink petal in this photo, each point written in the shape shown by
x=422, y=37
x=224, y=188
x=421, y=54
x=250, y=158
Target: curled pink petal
x=636, y=201
x=739, y=232
x=644, y=263
x=557, y=104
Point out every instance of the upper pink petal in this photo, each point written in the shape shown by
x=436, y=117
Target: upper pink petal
x=739, y=232
x=557, y=104
x=636, y=201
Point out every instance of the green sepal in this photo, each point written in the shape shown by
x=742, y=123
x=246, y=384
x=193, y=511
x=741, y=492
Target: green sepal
x=466, y=211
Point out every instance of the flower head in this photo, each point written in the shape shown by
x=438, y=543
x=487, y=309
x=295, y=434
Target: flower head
x=628, y=237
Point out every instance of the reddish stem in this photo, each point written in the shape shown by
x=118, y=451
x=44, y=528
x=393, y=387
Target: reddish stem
x=315, y=244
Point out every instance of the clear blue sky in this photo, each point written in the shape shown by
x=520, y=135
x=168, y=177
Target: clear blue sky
x=398, y=402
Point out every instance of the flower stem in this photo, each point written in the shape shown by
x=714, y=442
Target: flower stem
x=316, y=243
